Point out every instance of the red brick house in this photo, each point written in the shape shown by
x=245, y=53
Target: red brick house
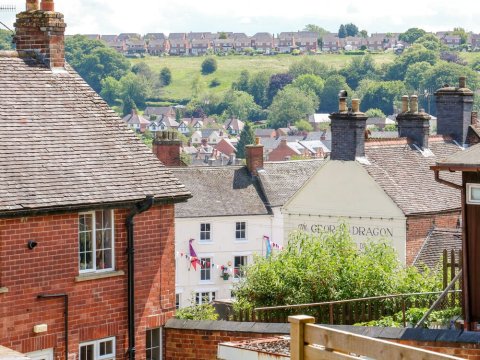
x=86, y=212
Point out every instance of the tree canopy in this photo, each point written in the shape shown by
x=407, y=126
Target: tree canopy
x=411, y=35
x=209, y=65
x=329, y=99
x=5, y=40
x=247, y=137
x=325, y=267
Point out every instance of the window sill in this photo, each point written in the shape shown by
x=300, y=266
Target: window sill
x=3, y=290
x=101, y=275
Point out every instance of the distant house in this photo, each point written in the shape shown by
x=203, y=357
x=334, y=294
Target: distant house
x=196, y=138
x=376, y=42
x=128, y=36
x=199, y=46
x=223, y=45
x=241, y=42
x=265, y=133
x=225, y=147
x=93, y=36
x=452, y=41
x=316, y=120
x=136, y=121
x=352, y=43
x=306, y=41
x=474, y=41
x=109, y=38
x=234, y=126
x=286, y=42
x=178, y=44
x=263, y=42
x=155, y=36
x=167, y=123
x=155, y=112
x=330, y=43
x=285, y=151
x=157, y=47
x=183, y=128
x=118, y=46
x=136, y=46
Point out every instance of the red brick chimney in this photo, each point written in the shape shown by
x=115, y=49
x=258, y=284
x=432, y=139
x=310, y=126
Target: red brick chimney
x=254, y=157
x=166, y=147
x=41, y=30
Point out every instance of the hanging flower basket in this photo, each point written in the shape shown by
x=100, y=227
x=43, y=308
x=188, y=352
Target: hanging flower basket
x=224, y=275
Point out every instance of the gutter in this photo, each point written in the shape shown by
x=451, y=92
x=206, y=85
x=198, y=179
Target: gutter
x=138, y=208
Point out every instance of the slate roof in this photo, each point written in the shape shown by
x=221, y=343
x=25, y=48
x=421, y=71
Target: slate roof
x=438, y=240
x=134, y=118
x=404, y=174
x=469, y=158
x=280, y=180
x=264, y=132
x=219, y=191
x=62, y=147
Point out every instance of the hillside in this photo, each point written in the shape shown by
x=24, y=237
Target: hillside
x=185, y=69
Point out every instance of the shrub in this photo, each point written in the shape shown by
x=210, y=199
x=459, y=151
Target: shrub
x=165, y=76
x=214, y=83
x=209, y=66
x=197, y=312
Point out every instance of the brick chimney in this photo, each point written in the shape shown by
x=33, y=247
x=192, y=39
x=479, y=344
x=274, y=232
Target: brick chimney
x=454, y=110
x=413, y=124
x=254, y=157
x=41, y=30
x=348, y=130
x=166, y=147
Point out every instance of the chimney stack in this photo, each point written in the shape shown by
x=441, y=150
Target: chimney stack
x=254, y=155
x=166, y=147
x=454, y=110
x=41, y=30
x=348, y=130
x=413, y=124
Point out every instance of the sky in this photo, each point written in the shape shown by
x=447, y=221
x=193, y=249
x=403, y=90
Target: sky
x=251, y=16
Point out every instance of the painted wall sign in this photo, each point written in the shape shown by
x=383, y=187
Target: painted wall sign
x=367, y=231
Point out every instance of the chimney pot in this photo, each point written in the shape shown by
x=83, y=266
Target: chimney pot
x=462, y=82
x=404, y=103
x=32, y=5
x=342, y=104
x=257, y=140
x=356, y=105
x=47, y=5
x=414, y=104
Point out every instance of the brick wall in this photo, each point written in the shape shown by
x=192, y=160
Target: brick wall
x=97, y=308
x=282, y=152
x=419, y=226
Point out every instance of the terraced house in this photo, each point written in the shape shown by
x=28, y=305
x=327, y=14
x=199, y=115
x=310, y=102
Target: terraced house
x=86, y=212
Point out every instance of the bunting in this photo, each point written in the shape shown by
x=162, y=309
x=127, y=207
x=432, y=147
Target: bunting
x=193, y=255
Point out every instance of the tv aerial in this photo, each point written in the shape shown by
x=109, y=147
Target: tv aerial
x=5, y=8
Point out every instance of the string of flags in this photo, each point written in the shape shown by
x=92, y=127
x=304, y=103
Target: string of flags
x=194, y=260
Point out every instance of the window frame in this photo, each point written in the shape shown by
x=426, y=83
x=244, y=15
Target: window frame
x=470, y=187
x=207, y=270
x=94, y=242
x=160, y=342
x=211, y=296
x=237, y=273
x=240, y=231
x=96, y=348
x=209, y=231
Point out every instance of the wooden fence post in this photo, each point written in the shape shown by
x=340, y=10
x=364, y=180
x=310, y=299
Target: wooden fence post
x=297, y=328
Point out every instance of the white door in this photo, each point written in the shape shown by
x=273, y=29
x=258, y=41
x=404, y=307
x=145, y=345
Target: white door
x=41, y=355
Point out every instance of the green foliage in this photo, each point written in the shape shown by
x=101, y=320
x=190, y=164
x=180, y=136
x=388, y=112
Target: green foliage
x=375, y=113
x=247, y=137
x=342, y=32
x=209, y=66
x=239, y=104
x=222, y=35
x=135, y=87
x=258, y=88
x=289, y=105
x=94, y=61
x=386, y=321
x=329, y=99
x=363, y=34
x=242, y=83
x=198, y=86
x=415, y=74
x=411, y=35
x=277, y=83
x=414, y=54
x=448, y=73
x=359, y=68
x=351, y=29
x=111, y=90
x=430, y=42
x=5, y=40
x=143, y=69
x=325, y=267
x=197, y=312
x=309, y=65
x=165, y=76
x=462, y=33
x=381, y=94
x=128, y=106
x=316, y=29
x=303, y=125
x=214, y=83
x=310, y=83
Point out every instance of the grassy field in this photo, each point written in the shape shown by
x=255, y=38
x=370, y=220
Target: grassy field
x=185, y=69
x=470, y=57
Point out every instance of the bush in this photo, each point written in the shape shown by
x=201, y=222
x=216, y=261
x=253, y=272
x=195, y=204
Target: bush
x=197, y=312
x=214, y=83
x=165, y=76
x=209, y=66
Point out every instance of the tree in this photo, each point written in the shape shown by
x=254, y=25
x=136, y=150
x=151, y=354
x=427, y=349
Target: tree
x=289, y=105
x=239, y=104
x=351, y=29
x=321, y=32
x=308, y=65
x=359, y=68
x=142, y=69
x=415, y=74
x=277, y=83
x=165, y=76
x=247, y=137
x=325, y=267
x=209, y=66
x=197, y=312
x=5, y=40
x=111, y=90
x=375, y=113
x=430, y=42
x=411, y=35
x=310, y=83
x=94, y=61
x=363, y=34
x=462, y=33
x=304, y=125
x=342, y=32
x=242, y=83
x=329, y=99
x=448, y=73
x=416, y=53
x=258, y=88
x=222, y=35
x=381, y=94
x=198, y=86
x=128, y=106
x=136, y=88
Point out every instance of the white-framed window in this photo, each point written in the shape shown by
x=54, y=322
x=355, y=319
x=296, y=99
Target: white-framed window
x=473, y=194
x=240, y=230
x=238, y=266
x=204, y=297
x=103, y=349
x=205, y=232
x=205, y=269
x=153, y=344
x=96, y=241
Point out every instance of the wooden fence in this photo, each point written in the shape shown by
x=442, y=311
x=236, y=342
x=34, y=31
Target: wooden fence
x=313, y=342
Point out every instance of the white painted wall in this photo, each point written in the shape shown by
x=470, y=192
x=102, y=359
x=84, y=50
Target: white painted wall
x=343, y=191
x=222, y=249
